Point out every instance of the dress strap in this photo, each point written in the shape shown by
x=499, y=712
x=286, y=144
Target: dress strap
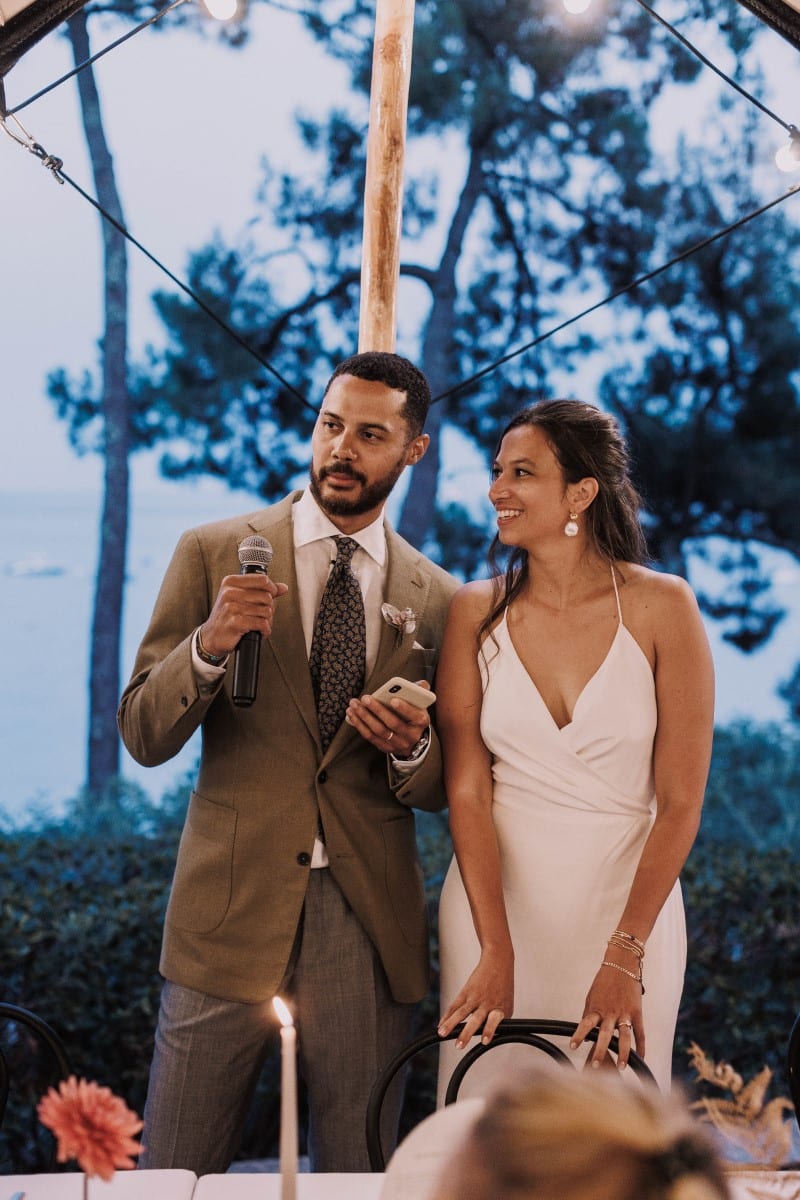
x=616, y=593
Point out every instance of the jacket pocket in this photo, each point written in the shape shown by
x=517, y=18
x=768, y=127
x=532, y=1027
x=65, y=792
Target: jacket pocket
x=201, y=889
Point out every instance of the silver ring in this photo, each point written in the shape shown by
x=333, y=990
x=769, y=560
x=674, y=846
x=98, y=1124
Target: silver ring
x=389, y=736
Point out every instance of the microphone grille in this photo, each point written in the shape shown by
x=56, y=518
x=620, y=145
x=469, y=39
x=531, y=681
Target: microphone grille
x=255, y=551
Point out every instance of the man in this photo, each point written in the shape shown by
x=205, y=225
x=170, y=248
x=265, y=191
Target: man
x=297, y=872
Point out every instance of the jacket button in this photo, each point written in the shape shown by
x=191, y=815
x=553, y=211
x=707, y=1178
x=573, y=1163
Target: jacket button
x=303, y=858
x=323, y=777
x=185, y=701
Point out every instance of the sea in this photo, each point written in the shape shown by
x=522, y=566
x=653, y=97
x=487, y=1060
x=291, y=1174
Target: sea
x=48, y=561
x=48, y=558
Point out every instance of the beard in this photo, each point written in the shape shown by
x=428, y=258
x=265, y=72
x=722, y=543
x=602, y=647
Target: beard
x=372, y=495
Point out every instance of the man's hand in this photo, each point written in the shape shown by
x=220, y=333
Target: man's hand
x=243, y=603
x=395, y=727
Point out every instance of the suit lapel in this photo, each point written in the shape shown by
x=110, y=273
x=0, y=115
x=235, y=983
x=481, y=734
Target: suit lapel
x=287, y=642
x=407, y=586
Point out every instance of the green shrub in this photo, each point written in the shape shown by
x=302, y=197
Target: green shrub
x=83, y=902
x=753, y=788
x=742, y=990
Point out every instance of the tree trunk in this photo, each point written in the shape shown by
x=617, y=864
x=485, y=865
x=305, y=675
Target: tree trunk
x=419, y=505
x=104, y=667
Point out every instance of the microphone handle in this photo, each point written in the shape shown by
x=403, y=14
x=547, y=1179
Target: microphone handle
x=247, y=655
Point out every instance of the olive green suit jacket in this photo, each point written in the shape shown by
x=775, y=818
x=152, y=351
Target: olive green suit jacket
x=242, y=867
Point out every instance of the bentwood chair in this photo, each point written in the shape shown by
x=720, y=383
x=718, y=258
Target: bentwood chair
x=525, y=1031
x=793, y=1067
x=32, y=1057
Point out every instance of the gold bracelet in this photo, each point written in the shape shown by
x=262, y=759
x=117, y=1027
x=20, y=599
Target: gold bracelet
x=629, y=937
x=628, y=946
x=625, y=971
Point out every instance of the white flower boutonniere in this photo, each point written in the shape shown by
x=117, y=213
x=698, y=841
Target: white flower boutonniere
x=404, y=620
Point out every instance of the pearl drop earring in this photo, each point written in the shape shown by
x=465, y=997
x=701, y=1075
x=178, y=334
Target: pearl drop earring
x=571, y=527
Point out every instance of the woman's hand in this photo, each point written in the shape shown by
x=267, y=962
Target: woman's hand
x=614, y=1003
x=485, y=999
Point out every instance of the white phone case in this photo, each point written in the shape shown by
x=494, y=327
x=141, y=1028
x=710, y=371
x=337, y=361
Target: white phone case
x=404, y=689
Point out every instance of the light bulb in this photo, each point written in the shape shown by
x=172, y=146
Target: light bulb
x=576, y=6
x=222, y=10
x=788, y=157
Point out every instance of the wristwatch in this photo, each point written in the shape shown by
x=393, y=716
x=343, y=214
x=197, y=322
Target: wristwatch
x=213, y=660
x=418, y=749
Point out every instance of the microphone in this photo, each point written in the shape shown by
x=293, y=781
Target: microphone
x=255, y=556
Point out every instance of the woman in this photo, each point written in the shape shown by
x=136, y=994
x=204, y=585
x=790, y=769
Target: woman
x=563, y=1135
x=576, y=712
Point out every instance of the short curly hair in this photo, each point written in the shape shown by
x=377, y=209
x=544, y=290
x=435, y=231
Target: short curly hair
x=396, y=372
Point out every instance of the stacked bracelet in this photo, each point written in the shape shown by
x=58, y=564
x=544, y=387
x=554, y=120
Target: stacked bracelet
x=627, y=941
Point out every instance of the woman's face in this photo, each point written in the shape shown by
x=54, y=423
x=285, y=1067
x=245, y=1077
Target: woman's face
x=528, y=490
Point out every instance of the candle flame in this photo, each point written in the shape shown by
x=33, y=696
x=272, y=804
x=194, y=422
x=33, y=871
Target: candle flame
x=283, y=1014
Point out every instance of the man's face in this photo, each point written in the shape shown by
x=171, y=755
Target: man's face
x=360, y=445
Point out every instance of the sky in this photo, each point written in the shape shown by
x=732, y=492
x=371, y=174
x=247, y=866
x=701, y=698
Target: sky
x=188, y=120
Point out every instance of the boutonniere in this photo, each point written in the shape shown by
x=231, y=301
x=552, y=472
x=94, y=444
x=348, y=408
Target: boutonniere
x=404, y=620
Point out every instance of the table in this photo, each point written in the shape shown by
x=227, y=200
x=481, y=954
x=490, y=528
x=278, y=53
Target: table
x=126, y=1185
x=268, y=1187
x=764, y=1185
x=183, y=1185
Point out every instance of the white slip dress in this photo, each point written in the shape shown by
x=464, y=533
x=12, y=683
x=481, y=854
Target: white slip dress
x=572, y=807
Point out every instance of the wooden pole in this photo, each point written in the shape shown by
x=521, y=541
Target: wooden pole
x=383, y=189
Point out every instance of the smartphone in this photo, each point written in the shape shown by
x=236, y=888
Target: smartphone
x=404, y=689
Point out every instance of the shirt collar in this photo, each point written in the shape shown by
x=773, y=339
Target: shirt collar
x=311, y=524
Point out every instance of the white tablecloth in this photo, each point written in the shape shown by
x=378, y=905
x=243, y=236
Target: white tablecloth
x=764, y=1185
x=126, y=1185
x=268, y=1187
x=181, y=1185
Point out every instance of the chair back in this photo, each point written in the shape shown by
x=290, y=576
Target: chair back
x=32, y=1057
x=793, y=1067
x=529, y=1031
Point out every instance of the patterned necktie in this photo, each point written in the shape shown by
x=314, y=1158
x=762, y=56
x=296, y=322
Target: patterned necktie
x=339, y=644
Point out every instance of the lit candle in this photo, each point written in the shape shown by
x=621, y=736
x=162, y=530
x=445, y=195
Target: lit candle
x=289, y=1131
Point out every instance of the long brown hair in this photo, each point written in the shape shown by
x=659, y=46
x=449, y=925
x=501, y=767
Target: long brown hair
x=587, y=442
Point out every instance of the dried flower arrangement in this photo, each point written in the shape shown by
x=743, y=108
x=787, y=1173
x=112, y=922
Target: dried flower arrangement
x=757, y=1128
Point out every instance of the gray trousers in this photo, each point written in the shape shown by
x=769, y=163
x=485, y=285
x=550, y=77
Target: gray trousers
x=209, y=1052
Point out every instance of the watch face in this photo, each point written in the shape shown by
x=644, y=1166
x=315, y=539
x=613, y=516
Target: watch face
x=418, y=748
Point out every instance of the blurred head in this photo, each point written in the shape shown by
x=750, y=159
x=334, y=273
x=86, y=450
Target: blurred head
x=569, y=1135
x=369, y=429
x=587, y=444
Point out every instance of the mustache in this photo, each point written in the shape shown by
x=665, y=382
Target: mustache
x=342, y=469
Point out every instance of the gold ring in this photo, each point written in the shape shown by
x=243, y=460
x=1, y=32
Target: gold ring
x=625, y=1024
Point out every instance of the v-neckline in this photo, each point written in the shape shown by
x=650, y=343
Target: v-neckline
x=561, y=728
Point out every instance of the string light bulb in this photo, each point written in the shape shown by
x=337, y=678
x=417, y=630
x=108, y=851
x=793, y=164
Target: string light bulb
x=221, y=10
x=576, y=6
x=788, y=157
